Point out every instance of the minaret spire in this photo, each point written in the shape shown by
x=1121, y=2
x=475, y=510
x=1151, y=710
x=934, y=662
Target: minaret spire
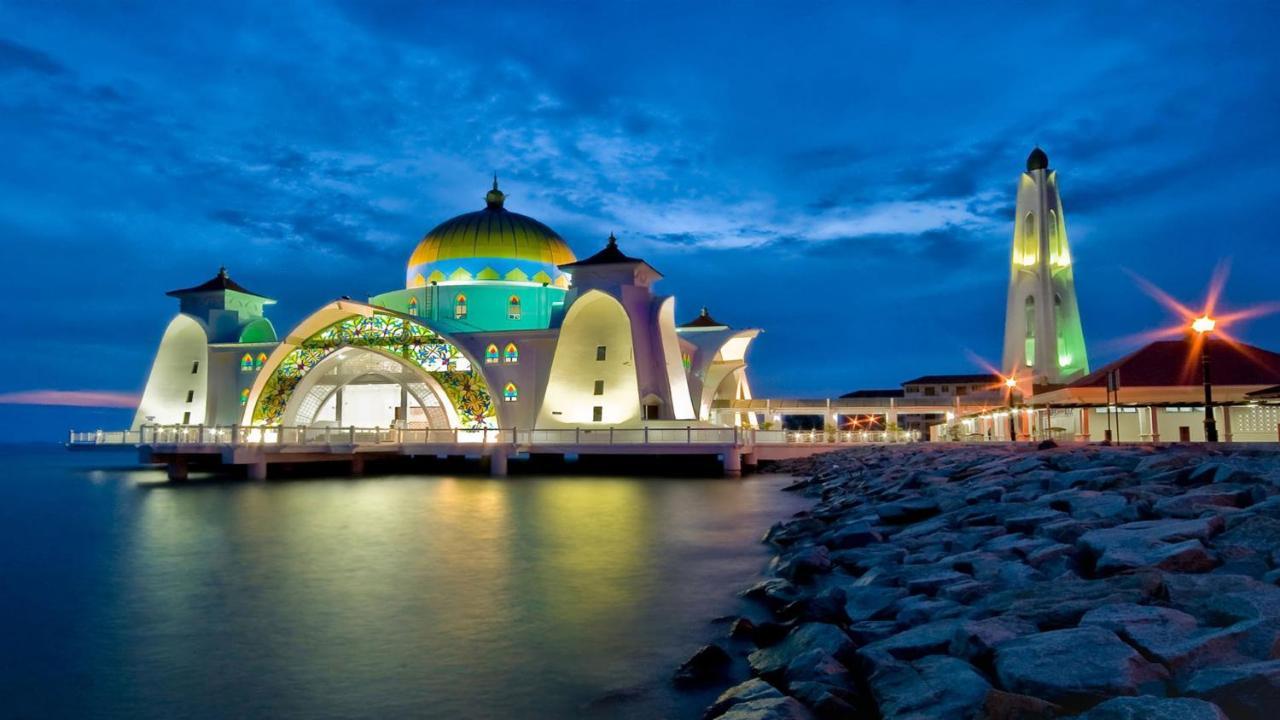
x=1043, y=335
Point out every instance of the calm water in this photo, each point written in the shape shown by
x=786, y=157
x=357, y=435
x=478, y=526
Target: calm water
x=123, y=596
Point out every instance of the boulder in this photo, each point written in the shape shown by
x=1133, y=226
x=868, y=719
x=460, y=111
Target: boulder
x=853, y=535
x=871, y=602
x=976, y=640
x=929, y=639
x=1098, y=542
x=1001, y=705
x=825, y=701
x=929, y=583
x=710, y=664
x=1195, y=502
x=938, y=687
x=817, y=665
x=1242, y=691
x=805, y=564
x=1175, y=639
x=1148, y=707
x=1186, y=556
x=1076, y=668
x=751, y=690
x=907, y=511
x=785, y=708
x=772, y=661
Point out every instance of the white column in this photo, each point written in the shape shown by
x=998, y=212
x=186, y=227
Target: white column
x=1226, y=423
x=1154, y=420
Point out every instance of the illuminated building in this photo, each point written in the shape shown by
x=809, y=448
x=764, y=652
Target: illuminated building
x=499, y=325
x=1042, y=330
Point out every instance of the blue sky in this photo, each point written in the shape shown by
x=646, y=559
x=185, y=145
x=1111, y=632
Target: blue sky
x=838, y=174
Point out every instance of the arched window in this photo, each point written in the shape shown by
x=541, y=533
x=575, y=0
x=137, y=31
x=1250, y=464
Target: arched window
x=1030, y=243
x=244, y=396
x=513, y=308
x=491, y=355
x=510, y=393
x=262, y=360
x=413, y=306
x=1030, y=342
x=246, y=363
x=512, y=353
x=460, y=307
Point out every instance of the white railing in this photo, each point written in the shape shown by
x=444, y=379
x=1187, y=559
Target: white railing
x=842, y=437
x=313, y=435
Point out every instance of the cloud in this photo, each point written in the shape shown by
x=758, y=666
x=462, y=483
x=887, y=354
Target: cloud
x=15, y=57
x=71, y=398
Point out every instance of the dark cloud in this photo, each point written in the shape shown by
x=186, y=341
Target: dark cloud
x=15, y=57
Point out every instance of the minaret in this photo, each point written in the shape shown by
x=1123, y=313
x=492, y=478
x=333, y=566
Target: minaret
x=1042, y=332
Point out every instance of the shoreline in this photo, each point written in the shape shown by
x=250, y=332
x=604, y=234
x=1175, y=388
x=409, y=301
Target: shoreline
x=1012, y=582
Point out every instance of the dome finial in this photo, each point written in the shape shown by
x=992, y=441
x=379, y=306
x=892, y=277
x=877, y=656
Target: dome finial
x=704, y=311
x=222, y=271
x=613, y=241
x=1037, y=160
x=494, y=198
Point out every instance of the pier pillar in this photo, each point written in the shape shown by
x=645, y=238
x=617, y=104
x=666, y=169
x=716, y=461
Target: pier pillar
x=749, y=460
x=1154, y=418
x=1226, y=423
x=732, y=463
x=357, y=465
x=498, y=463
x=177, y=469
x=257, y=470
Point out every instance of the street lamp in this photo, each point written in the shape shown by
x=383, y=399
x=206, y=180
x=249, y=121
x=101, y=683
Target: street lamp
x=1012, y=385
x=1204, y=325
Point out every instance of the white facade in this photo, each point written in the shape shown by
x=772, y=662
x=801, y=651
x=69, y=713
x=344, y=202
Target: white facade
x=1043, y=334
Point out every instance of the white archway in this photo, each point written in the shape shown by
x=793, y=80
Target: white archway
x=322, y=389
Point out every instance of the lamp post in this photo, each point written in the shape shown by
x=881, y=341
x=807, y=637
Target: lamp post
x=1204, y=325
x=1012, y=385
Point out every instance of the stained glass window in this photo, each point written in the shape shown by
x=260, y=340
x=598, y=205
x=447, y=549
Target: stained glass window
x=513, y=308
x=246, y=363
x=491, y=355
x=512, y=354
x=262, y=360
x=244, y=396
x=460, y=307
x=396, y=336
x=413, y=306
x=510, y=393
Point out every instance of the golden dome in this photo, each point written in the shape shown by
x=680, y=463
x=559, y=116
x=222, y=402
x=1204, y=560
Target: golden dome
x=505, y=244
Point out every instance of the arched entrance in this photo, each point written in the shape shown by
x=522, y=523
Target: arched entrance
x=361, y=387
x=375, y=354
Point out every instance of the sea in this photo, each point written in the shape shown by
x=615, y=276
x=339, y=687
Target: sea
x=123, y=595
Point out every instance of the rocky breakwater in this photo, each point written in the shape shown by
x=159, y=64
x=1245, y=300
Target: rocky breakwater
x=1014, y=582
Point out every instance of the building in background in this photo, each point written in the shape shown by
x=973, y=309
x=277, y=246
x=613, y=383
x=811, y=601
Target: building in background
x=499, y=325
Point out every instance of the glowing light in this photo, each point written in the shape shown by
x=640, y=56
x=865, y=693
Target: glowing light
x=1203, y=324
x=1064, y=360
x=1010, y=383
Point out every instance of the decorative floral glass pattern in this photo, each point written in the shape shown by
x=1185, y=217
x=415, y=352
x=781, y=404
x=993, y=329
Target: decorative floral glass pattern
x=491, y=355
x=246, y=363
x=510, y=393
x=413, y=341
x=512, y=354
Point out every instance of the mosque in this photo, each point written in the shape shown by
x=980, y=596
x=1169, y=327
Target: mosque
x=498, y=325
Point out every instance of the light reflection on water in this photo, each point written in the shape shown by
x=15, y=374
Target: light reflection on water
x=378, y=597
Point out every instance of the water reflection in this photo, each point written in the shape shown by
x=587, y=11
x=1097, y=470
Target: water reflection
x=464, y=598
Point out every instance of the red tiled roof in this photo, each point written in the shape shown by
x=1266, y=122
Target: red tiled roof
x=1177, y=362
